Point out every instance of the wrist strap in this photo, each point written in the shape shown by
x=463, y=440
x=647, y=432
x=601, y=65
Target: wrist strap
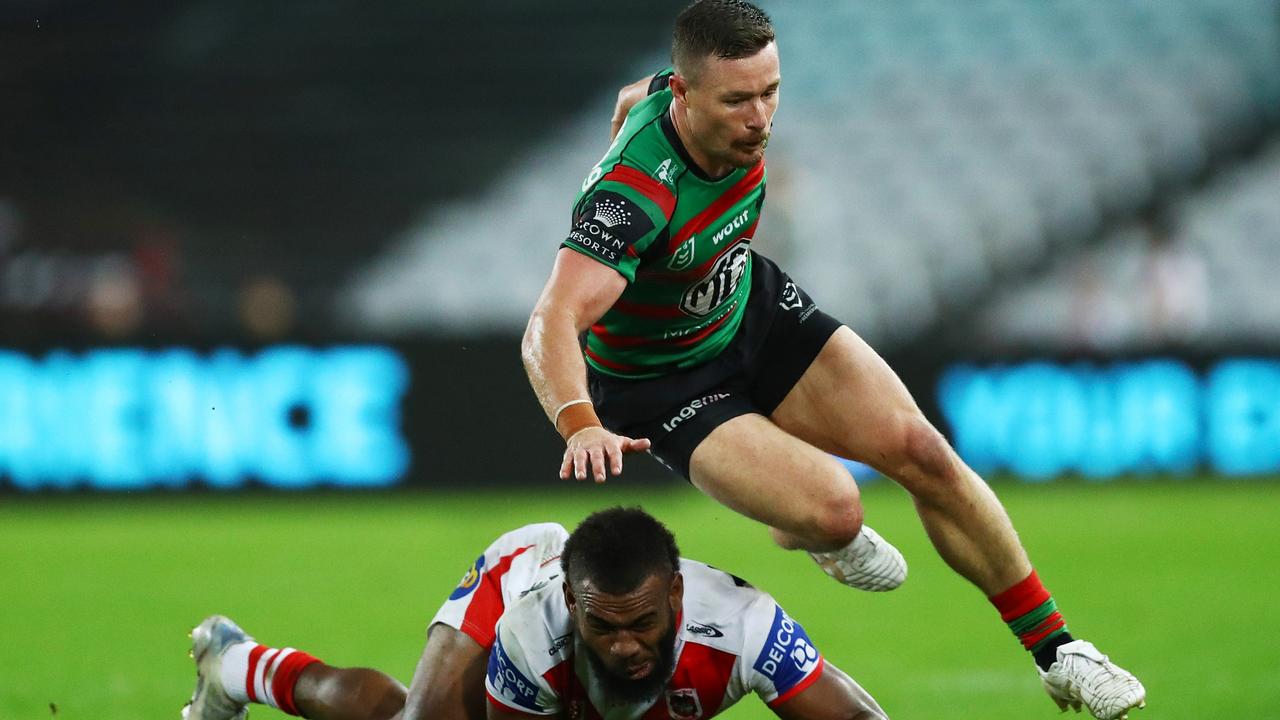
x=575, y=417
x=555, y=418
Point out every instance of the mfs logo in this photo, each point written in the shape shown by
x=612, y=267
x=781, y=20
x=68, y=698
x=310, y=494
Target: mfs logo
x=717, y=285
x=787, y=657
x=470, y=581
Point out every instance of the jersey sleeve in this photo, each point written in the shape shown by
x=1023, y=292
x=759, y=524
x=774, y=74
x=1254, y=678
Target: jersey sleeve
x=661, y=80
x=510, y=682
x=617, y=221
x=783, y=660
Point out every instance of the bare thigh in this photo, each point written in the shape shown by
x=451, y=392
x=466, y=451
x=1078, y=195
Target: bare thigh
x=850, y=403
x=752, y=466
x=448, y=683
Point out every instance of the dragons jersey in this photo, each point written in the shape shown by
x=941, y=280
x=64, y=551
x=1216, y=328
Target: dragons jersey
x=732, y=640
x=514, y=565
x=680, y=239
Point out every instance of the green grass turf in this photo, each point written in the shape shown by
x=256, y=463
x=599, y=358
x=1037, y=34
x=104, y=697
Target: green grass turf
x=1175, y=580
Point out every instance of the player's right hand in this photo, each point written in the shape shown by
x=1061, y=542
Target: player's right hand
x=595, y=451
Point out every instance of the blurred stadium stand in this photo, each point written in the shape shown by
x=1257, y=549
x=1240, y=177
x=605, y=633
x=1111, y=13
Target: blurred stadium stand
x=164, y=164
x=926, y=153
x=1200, y=273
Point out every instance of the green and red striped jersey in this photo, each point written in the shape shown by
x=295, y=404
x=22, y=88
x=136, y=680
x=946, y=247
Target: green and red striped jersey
x=682, y=241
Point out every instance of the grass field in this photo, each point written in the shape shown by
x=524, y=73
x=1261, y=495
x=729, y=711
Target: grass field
x=1176, y=580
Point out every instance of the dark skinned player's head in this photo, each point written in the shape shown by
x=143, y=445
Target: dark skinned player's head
x=624, y=592
x=726, y=79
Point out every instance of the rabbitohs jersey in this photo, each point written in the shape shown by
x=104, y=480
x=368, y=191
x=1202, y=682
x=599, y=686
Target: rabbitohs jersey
x=681, y=239
x=732, y=640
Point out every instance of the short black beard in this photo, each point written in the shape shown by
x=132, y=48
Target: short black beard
x=625, y=691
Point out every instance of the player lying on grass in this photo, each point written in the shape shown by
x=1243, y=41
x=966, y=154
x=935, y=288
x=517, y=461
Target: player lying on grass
x=707, y=354
x=608, y=622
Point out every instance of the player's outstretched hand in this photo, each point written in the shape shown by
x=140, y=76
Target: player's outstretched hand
x=594, y=451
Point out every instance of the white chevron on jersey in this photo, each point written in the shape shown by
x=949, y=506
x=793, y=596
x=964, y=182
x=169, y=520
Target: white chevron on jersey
x=733, y=639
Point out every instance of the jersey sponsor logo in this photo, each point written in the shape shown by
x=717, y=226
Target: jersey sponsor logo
x=788, y=656
x=683, y=257
x=470, y=581
x=682, y=332
x=507, y=682
x=608, y=225
x=703, y=630
x=718, y=284
x=730, y=227
x=559, y=643
x=688, y=411
x=666, y=172
x=683, y=704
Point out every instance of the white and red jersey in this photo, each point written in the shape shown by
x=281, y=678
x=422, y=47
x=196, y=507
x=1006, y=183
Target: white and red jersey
x=517, y=563
x=732, y=639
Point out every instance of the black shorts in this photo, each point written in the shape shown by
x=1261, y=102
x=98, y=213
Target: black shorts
x=780, y=335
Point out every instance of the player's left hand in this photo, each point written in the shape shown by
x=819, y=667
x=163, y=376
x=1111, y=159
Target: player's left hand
x=595, y=451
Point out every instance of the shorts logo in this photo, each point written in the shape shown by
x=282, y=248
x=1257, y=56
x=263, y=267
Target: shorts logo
x=788, y=656
x=719, y=284
x=688, y=411
x=470, y=581
x=683, y=258
x=790, y=299
x=683, y=704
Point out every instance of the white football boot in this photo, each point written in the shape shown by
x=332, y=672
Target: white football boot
x=1082, y=675
x=210, y=701
x=868, y=563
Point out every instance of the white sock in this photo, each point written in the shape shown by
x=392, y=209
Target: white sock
x=235, y=667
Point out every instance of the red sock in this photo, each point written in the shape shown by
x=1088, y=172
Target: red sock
x=1032, y=615
x=272, y=674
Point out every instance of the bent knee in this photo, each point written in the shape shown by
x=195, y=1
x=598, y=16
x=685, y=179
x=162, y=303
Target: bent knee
x=924, y=458
x=837, y=519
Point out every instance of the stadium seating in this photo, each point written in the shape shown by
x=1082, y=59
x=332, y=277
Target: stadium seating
x=1202, y=275
x=925, y=150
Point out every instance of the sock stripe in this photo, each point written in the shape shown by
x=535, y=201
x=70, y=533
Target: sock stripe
x=254, y=656
x=271, y=673
x=1028, y=622
x=260, y=674
x=286, y=678
x=1030, y=612
x=1050, y=627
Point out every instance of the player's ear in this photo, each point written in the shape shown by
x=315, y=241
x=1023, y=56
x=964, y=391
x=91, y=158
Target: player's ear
x=679, y=85
x=570, y=601
x=676, y=594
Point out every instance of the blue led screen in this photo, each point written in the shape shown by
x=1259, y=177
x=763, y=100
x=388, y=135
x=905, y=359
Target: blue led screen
x=1040, y=420
x=287, y=417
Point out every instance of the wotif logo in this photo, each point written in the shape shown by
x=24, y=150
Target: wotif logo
x=730, y=227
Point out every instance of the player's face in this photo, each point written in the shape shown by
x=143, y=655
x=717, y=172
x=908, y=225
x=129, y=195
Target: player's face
x=630, y=637
x=730, y=106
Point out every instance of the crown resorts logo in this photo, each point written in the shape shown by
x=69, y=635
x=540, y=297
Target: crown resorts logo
x=611, y=213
